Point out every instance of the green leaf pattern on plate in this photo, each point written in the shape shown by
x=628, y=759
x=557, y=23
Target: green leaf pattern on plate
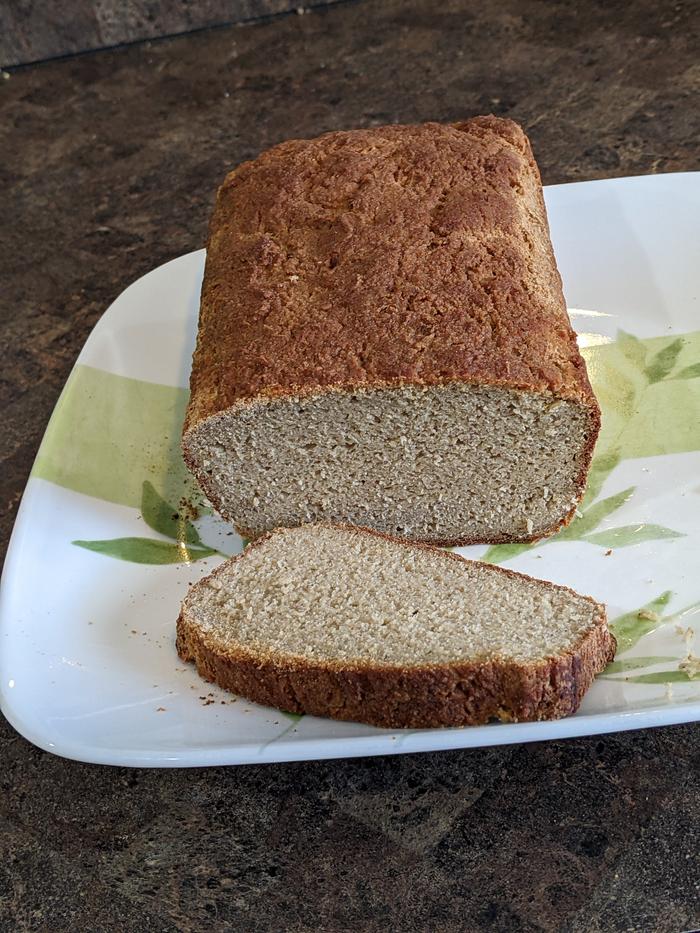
x=632, y=348
x=673, y=676
x=630, y=627
x=185, y=547
x=295, y=717
x=147, y=550
x=162, y=517
x=631, y=534
x=498, y=553
x=592, y=517
x=689, y=372
x=634, y=664
x=662, y=363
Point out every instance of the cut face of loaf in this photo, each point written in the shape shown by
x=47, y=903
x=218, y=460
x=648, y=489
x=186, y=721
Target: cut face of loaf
x=383, y=340
x=344, y=622
x=444, y=464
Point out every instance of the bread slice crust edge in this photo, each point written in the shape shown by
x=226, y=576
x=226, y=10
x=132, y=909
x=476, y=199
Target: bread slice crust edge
x=461, y=693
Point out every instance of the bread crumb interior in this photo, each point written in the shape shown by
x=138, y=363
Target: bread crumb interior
x=439, y=463
x=321, y=593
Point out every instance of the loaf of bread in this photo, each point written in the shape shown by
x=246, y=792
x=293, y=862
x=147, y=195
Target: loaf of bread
x=352, y=624
x=383, y=340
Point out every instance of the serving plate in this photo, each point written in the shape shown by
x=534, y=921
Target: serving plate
x=111, y=532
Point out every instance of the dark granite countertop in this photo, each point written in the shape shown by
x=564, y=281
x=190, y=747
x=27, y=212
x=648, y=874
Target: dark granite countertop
x=110, y=161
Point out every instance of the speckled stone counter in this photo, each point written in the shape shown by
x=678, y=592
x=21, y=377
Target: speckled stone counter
x=109, y=164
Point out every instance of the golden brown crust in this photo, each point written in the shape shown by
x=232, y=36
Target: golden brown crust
x=389, y=256
x=464, y=693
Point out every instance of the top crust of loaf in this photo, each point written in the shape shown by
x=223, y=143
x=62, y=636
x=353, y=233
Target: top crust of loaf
x=388, y=256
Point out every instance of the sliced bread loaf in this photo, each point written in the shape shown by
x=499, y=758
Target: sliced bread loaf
x=348, y=623
x=383, y=340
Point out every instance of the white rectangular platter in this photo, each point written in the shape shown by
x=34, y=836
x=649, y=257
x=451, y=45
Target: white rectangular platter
x=101, y=554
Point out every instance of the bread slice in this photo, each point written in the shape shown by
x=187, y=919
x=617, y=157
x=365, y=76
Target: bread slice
x=383, y=340
x=352, y=624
